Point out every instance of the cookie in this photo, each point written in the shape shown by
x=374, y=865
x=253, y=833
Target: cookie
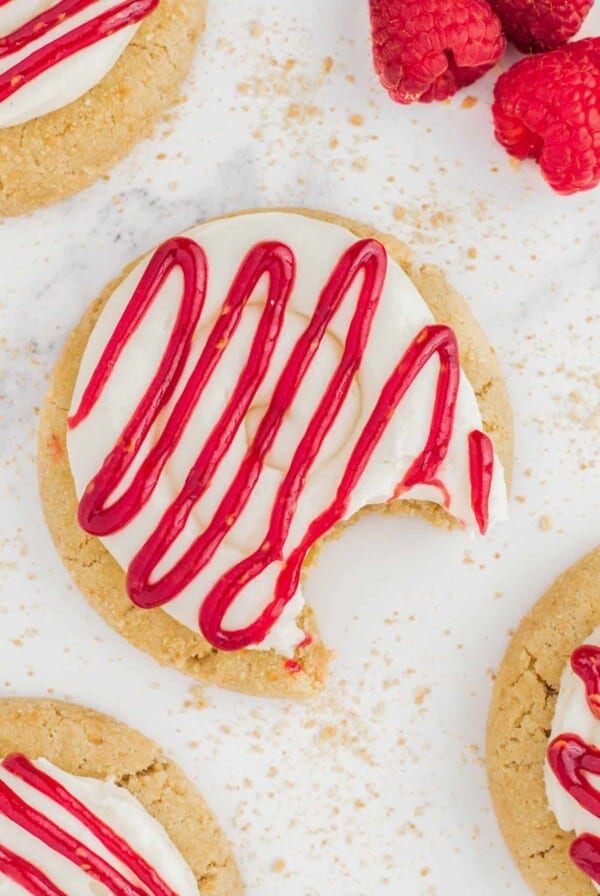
x=47, y=746
x=81, y=85
x=321, y=409
x=538, y=697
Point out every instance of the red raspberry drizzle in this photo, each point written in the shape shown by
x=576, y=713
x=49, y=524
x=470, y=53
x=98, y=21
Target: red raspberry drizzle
x=481, y=468
x=52, y=835
x=86, y=35
x=572, y=759
x=366, y=258
x=585, y=662
x=585, y=853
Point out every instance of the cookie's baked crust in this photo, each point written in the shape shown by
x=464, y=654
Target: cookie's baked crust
x=85, y=742
x=101, y=579
x=59, y=154
x=519, y=726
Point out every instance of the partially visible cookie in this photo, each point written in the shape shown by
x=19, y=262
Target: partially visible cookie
x=64, y=123
x=305, y=253
x=541, y=697
x=87, y=744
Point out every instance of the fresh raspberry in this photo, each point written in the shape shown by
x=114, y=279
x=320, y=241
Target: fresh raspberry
x=426, y=50
x=538, y=25
x=548, y=108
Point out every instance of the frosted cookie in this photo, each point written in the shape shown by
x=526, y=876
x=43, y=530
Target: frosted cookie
x=236, y=397
x=82, y=81
x=87, y=805
x=543, y=749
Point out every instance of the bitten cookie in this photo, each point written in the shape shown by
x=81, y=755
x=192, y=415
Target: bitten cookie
x=235, y=398
x=85, y=800
x=81, y=82
x=544, y=737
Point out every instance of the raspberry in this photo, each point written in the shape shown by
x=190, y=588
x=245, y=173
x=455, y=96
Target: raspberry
x=548, y=108
x=537, y=25
x=426, y=50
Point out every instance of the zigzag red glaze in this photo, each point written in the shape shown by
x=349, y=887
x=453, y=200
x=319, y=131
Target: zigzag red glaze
x=119, y=16
x=366, y=258
x=572, y=759
x=30, y=878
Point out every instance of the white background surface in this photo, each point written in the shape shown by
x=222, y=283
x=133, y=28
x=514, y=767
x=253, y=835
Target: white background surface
x=378, y=787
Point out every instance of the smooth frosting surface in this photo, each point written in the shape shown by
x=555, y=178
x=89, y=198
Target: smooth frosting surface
x=118, y=808
x=401, y=314
x=70, y=78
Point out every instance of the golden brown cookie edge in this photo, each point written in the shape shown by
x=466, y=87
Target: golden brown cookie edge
x=59, y=154
x=519, y=723
x=102, y=581
x=85, y=742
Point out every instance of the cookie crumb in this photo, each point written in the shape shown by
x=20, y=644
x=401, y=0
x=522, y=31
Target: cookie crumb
x=327, y=733
x=199, y=700
x=420, y=695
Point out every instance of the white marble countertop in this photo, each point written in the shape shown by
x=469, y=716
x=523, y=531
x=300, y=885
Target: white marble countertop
x=379, y=786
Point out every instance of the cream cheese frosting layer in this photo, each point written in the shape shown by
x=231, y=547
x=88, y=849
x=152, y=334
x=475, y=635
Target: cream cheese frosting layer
x=113, y=805
x=402, y=313
x=68, y=79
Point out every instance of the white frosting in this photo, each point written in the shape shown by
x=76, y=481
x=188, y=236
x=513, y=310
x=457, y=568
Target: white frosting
x=572, y=715
x=401, y=314
x=68, y=80
x=118, y=808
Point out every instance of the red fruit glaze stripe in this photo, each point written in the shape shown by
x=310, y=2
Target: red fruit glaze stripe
x=22, y=768
x=272, y=259
x=585, y=662
x=431, y=340
x=57, y=839
x=79, y=38
x=572, y=759
x=481, y=467
x=366, y=259
x=585, y=853
x=26, y=875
